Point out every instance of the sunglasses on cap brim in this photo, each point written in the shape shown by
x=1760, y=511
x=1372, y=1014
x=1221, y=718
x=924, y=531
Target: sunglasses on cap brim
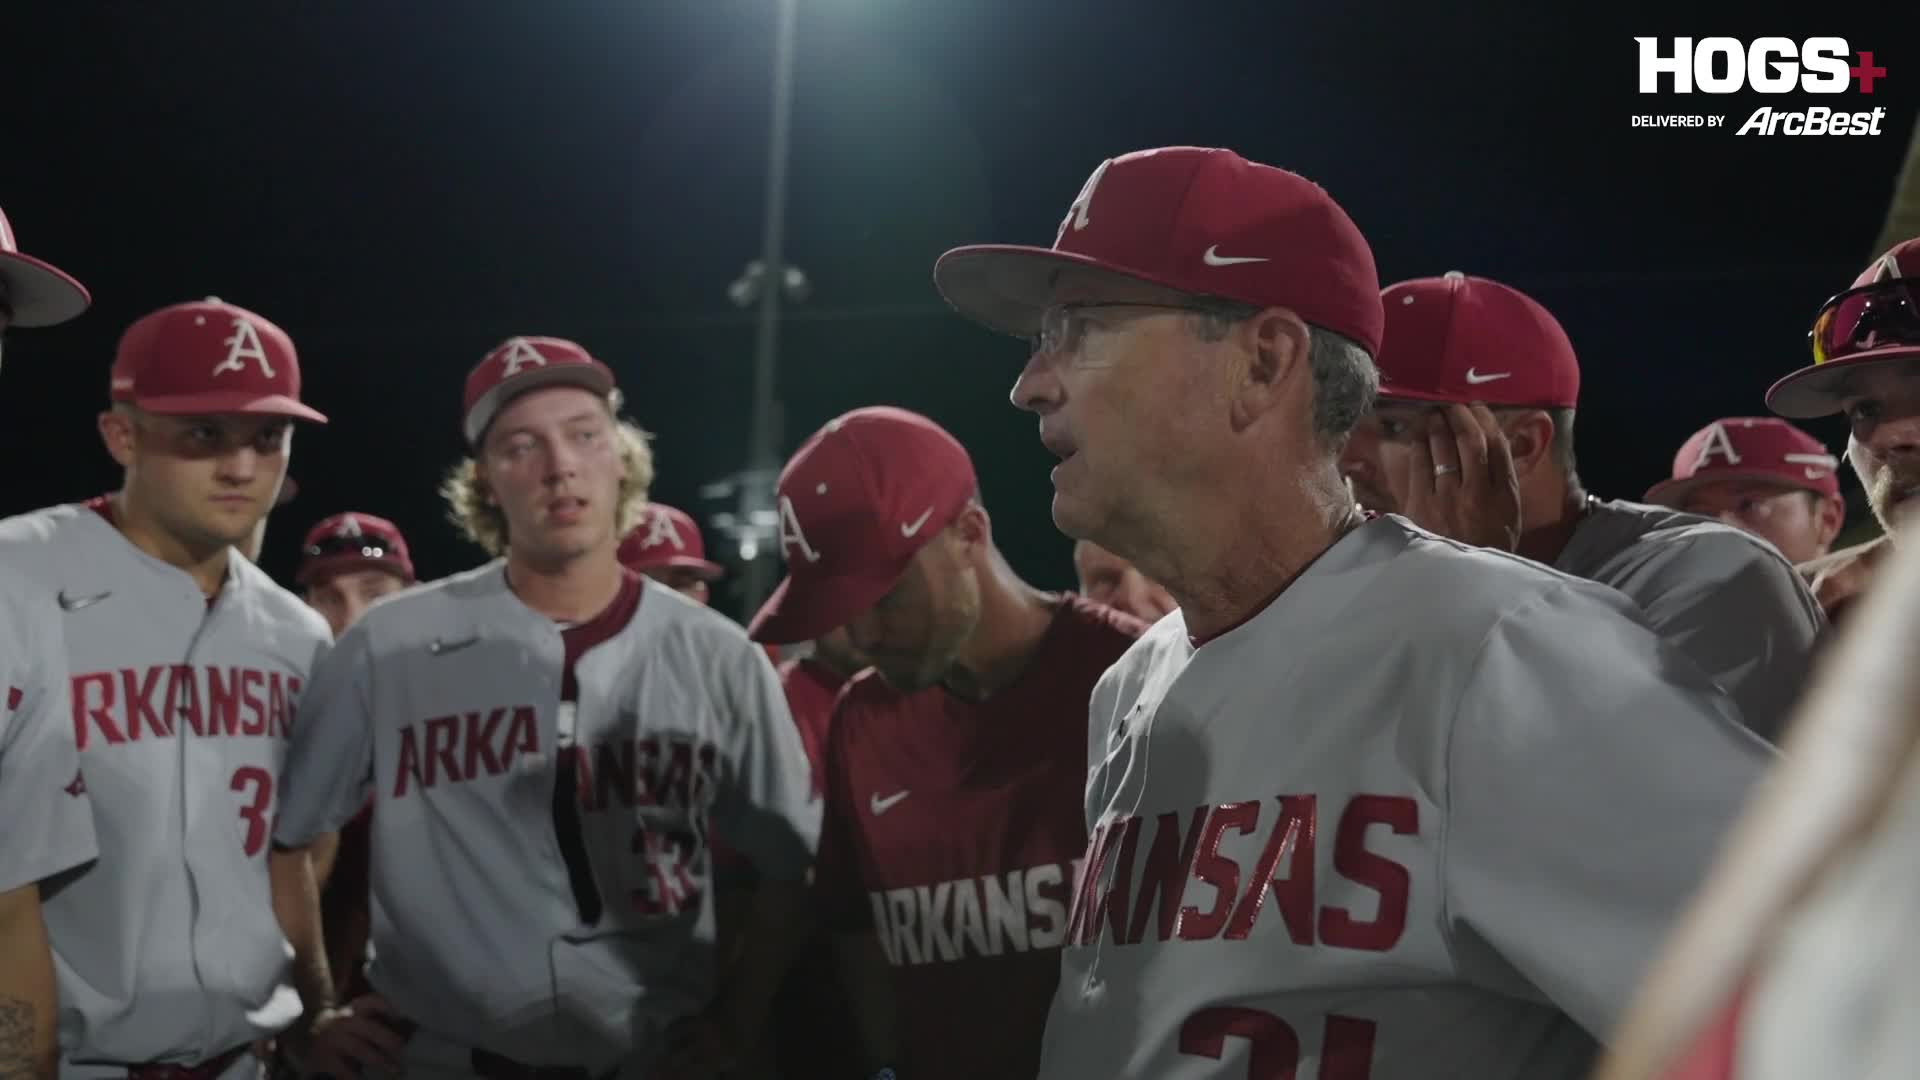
x=1877, y=316
x=365, y=547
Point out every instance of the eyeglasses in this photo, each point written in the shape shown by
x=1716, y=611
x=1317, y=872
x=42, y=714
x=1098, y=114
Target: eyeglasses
x=362, y=546
x=1872, y=316
x=1063, y=326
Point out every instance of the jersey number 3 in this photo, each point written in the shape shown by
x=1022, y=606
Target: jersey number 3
x=254, y=809
x=1346, y=1048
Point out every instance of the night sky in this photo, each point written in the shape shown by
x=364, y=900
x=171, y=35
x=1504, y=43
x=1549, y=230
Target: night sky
x=403, y=185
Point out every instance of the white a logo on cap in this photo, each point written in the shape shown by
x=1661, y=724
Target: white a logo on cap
x=1077, y=213
x=349, y=526
x=1718, y=442
x=660, y=530
x=244, y=345
x=792, y=539
x=520, y=353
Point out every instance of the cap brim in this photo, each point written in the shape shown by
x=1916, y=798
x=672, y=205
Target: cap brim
x=40, y=293
x=707, y=570
x=1007, y=287
x=1813, y=392
x=810, y=606
x=1670, y=493
x=225, y=403
x=318, y=570
x=595, y=377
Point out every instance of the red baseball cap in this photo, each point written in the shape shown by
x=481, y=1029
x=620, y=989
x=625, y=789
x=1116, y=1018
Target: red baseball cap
x=207, y=357
x=39, y=293
x=1748, y=448
x=353, y=541
x=1855, y=329
x=1201, y=221
x=520, y=364
x=857, y=500
x=666, y=538
x=1461, y=339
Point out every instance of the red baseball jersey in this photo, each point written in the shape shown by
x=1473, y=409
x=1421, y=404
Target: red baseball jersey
x=811, y=689
x=952, y=830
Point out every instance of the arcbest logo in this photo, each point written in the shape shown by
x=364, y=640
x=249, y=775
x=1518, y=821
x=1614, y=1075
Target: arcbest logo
x=1769, y=65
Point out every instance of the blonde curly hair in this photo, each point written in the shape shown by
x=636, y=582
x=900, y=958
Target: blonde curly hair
x=482, y=521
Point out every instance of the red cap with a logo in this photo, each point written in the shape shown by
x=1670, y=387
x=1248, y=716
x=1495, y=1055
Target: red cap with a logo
x=1875, y=335
x=666, y=539
x=205, y=358
x=1462, y=339
x=37, y=292
x=520, y=364
x=347, y=542
x=857, y=501
x=1748, y=448
x=1201, y=221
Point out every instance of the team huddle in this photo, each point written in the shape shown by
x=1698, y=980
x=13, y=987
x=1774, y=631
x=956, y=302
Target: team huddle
x=1372, y=744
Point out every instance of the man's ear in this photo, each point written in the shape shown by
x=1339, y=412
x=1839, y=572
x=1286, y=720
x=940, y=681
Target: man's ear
x=1530, y=440
x=116, y=432
x=1829, y=516
x=1276, y=364
x=973, y=528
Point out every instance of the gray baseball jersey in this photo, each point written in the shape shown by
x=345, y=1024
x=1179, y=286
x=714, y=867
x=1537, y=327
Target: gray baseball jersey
x=167, y=947
x=1426, y=815
x=49, y=822
x=1725, y=597
x=446, y=700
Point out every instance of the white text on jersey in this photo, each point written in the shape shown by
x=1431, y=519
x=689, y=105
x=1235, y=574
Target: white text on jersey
x=1021, y=910
x=129, y=704
x=1106, y=905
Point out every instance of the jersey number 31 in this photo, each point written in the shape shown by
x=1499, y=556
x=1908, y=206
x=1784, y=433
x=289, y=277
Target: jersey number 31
x=1346, y=1047
x=259, y=782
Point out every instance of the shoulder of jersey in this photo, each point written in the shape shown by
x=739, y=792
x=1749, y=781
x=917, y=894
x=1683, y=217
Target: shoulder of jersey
x=26, y=539
x=427, y=607
x=660, y=602
x=1714, y=542
x=280, y=602
x=1458, y=581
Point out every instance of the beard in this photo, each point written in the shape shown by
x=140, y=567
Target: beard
x=1889, y=489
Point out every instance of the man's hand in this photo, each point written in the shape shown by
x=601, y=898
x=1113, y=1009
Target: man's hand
x=1461, y=483
x=362, y=1038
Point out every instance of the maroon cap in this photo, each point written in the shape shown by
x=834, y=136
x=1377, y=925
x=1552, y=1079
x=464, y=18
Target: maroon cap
x=520, y=364
x=1201, y=221
x=208, y=357
x=39, y=293
x=347, y=542
x=1748, y=448
x=857, y=500
x=1812, y=391
x=1460, y=339
x=666, y=539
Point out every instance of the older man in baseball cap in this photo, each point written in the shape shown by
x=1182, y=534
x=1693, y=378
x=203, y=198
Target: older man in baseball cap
x=50, y=830
x=1866, y=365
x=1473, y=439
x=956, y=763
x=1761, y=474
x=1202, y=336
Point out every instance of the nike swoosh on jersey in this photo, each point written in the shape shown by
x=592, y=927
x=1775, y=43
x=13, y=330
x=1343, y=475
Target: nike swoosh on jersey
x=441, y=646
x=75, y=603
x=880, y=806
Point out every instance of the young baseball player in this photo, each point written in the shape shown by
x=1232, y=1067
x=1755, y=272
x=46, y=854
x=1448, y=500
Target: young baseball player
x=1473, y=439
x=954, y=765
x=1371, y=802
x=1866, y=366
x=49, y=825
x=187, y=666
x=666, y=546
x=549, y=740
x=1761, y=474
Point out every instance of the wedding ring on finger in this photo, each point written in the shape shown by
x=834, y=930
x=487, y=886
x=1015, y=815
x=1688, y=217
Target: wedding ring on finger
x=1442, y=470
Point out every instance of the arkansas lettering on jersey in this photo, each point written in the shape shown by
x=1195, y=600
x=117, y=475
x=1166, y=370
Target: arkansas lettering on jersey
x=1425, y=815
x=951, y=833
x=168, y=945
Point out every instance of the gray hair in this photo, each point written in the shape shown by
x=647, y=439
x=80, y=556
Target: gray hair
x=1345, y=380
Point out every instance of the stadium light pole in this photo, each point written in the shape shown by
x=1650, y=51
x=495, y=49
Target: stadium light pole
x=756, y=524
